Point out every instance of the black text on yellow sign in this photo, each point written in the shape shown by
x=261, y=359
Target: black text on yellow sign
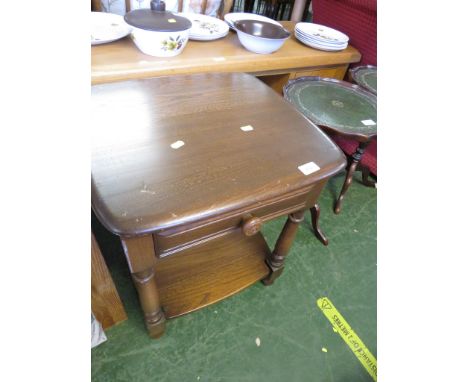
x=349, y=336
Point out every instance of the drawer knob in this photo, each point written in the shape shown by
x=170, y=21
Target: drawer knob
x=251, y=225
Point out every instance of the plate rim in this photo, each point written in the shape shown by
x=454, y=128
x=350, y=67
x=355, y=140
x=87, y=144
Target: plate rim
x=346, y=37
x=320, y=47
x=110, y=16
x=319, y=41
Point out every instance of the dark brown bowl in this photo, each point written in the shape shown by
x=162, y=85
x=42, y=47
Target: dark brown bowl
x=262, y=29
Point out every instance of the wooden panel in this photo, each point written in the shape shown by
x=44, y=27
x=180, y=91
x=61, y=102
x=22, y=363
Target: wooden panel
x=276, y=81
x=105, y=301
x=209, y=272
x=337, y=72
x=121, y=60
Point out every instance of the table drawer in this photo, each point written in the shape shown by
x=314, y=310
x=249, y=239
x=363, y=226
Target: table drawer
x=176, y=239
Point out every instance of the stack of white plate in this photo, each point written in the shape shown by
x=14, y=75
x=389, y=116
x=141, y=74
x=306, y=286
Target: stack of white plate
x=205, y=28
x=320, y=37
x=230, y=18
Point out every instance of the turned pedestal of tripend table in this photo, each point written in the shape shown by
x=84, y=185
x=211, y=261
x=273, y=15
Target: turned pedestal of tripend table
x=185, y=170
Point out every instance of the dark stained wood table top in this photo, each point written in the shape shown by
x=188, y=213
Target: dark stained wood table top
x=141, y=184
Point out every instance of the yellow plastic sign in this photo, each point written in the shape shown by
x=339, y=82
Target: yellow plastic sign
x=349, y=336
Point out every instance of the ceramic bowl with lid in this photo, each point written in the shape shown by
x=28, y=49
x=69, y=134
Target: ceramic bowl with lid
x=261, y=36
x=157, y=32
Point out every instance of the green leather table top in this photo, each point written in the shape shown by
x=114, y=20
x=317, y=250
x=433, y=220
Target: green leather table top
x=335, y=104
x=366, y=76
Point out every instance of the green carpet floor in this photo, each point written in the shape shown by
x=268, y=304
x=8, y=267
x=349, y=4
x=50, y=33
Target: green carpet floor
x=218, y=343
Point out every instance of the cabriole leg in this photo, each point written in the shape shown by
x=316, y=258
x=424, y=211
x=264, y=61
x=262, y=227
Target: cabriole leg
x=314, y=215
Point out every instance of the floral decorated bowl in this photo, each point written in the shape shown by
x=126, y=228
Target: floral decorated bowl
x=157, y=32
x=160, y=44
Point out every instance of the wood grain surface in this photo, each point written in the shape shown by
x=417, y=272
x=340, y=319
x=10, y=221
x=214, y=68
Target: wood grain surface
x=141, y=184
x=209, y=272
x=105, y=300
x=121, y=60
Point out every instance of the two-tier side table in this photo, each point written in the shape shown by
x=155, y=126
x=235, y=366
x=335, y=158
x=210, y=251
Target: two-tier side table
x=185, y=169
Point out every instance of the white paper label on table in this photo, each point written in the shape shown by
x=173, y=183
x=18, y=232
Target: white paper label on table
x=177, y=145
x=308, y=168
x=247, y=128
x=368, y=122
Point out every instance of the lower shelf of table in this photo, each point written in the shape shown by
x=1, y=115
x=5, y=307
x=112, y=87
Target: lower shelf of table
x=209, y=272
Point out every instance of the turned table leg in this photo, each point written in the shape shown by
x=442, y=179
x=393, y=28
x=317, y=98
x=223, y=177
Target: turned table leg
x=276, y=261
x=141, y=259
x=145, y=284
x=356, y=158
x=314, y=215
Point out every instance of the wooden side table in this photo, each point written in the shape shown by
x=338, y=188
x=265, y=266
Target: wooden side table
x=339, y=108
x=186, y=169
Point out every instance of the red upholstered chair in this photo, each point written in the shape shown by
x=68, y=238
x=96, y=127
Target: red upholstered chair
x=358, y=19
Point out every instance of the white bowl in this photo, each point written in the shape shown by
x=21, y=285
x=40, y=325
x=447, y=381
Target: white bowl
x=231, y=18
x=260, y=36
x=160, y=44
x=157, y=32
